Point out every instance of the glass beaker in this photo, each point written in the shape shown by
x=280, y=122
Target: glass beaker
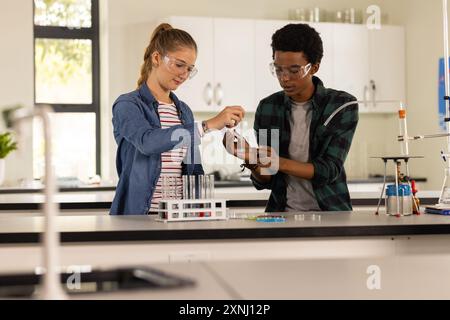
x=316, y=15
x=297, y=14
x=339, y=16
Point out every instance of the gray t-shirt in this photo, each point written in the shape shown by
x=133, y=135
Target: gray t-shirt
x=300, y=194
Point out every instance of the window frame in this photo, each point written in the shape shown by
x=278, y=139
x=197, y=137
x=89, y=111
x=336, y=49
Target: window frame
x=93, y=34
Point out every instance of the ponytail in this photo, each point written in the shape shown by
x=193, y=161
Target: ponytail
x=164, y=39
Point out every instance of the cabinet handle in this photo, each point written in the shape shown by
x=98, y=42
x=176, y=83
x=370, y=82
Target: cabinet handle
x=218, y=94
x=366, y=90
x=373, y=88
x=208, y=94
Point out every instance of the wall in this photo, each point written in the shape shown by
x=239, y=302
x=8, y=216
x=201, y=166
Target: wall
x=424, y=46
x=130, y=28
x=16, y=77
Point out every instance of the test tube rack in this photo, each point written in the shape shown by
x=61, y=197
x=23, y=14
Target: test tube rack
x=192, y=210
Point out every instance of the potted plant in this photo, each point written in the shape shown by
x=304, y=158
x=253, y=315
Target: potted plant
x=7, y=145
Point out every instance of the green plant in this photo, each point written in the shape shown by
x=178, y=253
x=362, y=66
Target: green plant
x=7, y=145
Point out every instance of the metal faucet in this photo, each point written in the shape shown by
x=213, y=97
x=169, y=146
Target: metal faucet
x=51, y=288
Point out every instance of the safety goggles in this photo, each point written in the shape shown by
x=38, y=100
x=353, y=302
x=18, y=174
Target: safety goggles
x=178, y=67
x=292, y=72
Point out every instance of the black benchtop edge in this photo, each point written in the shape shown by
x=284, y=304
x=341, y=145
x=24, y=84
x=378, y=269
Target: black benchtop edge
x=62, y=206
x=231, y=204
x=69, y=189
x=227, y=234
x=374, y=202
x=219, y=184
x=107, y=205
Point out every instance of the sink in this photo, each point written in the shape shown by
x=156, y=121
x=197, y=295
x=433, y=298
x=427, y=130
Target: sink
x=96, y=281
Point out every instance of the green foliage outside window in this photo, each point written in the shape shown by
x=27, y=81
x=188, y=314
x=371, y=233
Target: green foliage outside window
x=63, y=13
x=59, y=61
x=7, y=145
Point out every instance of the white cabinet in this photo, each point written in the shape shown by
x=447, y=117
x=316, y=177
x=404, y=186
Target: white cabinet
x=234, y=71
x=198, y=91
x=225, y=63
x=370, y=64
x=326, y=71
x=351, y=60
x=234, y=57
x=265, y=83
x=387, y=68
x=367, y=64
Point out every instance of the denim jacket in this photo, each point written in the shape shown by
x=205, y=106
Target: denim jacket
x=141, y=141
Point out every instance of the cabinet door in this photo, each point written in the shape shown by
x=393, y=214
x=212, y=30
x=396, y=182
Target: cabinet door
x=198, y=92
x=387, y=68
x=265, y=83
x=351, y=60
x=234, y=47
x=326, y=71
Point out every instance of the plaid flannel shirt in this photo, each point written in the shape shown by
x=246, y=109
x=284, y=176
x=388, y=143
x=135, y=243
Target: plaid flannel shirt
x=328, y=147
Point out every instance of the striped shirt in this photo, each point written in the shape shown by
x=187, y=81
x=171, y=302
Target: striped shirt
x=171, y=160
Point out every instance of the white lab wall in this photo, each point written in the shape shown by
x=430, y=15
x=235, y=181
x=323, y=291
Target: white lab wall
x=16, y=77
x=424, y=46
x=131, y=25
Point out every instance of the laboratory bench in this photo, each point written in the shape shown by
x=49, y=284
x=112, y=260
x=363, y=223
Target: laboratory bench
x=320, y=255
x=105, y=228
x=100, y=239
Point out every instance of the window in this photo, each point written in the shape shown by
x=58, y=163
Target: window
x=67, y=77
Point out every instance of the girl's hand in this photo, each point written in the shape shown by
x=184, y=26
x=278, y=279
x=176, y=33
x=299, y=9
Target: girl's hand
x=228, y=117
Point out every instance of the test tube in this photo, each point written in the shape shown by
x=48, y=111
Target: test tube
x=211, y=186
x=192, y=190
x=404, y=145
x=201, y=187
x=185, y=187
